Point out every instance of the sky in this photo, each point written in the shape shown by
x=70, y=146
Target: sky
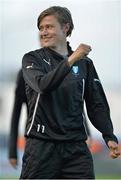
x=97, y=23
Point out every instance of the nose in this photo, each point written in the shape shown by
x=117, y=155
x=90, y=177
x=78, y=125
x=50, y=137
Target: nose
x=44, y=32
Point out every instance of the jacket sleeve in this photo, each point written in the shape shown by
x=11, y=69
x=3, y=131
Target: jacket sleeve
x=97, y=105
x=18, y=101
x=36, y=77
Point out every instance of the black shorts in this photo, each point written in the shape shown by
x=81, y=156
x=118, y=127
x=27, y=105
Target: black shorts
x=56, y=160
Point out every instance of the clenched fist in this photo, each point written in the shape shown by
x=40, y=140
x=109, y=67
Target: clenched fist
x=80, y=52
x=114, y=149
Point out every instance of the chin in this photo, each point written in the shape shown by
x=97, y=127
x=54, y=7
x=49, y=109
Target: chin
x=45, y=45
x=49, y=46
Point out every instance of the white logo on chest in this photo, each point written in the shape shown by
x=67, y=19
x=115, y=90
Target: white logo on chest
x=75, y=70
x=48, y=62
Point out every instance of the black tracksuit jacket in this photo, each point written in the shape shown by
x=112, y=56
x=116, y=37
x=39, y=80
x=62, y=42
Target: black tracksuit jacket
x=56, y=93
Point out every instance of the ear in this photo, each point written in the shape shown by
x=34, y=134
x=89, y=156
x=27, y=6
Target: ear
x=66, y=28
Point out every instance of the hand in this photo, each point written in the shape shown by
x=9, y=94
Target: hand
x=13, y=162
x=80, y=52
x=114, y=149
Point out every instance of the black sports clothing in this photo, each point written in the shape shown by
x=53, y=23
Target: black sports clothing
x=19, y=99
x=56, y=160
x=56, y=94
x=55, y=130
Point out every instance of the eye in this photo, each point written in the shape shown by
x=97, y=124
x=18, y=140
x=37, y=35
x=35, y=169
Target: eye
x=49, y=26
x=41, y=28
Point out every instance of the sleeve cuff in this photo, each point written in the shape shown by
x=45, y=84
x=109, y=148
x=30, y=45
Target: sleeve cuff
x=110, y=138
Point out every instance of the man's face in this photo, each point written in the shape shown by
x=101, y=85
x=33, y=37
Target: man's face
x=51, y=32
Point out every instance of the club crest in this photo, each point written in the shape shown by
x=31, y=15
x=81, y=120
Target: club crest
x=75, y=70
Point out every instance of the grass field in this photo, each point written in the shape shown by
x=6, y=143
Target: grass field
x=108, y=177
x=103, y=177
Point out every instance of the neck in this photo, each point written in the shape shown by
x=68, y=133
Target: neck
x=61, y=49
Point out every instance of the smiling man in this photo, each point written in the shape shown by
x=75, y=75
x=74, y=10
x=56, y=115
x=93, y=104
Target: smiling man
x=58, y=81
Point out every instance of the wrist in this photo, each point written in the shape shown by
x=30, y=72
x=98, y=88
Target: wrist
x=71, y=61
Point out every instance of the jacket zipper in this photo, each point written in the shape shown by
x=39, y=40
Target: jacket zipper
x=83, y=88
x=83, y=113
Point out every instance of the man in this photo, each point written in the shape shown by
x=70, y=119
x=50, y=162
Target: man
x=57, y=83
x=19, y=99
